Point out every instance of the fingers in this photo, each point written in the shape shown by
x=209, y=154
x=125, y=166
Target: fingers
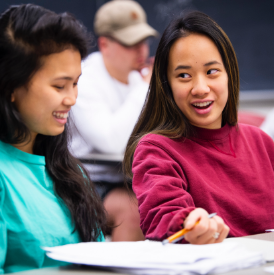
x=223, y=229
x=204, y=231
x=207, y=236
x=198, y=214
x=199, y=229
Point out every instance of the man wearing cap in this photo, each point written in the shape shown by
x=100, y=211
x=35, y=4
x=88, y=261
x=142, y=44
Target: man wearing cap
x=111, y=94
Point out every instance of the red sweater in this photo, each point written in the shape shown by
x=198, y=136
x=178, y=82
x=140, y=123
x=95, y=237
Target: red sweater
x=228, y=171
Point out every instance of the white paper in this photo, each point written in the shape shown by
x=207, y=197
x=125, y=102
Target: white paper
x=154, y=258
x=266, y=247
x=269, y=269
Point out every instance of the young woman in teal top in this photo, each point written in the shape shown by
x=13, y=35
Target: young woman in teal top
x=46, y=197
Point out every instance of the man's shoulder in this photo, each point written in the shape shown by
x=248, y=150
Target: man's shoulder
x=93, y=60
x=94, y=73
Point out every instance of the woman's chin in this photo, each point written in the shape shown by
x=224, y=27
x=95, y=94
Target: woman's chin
x=54, y=132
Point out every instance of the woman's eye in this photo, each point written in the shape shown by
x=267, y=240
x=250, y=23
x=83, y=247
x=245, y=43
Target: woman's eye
x=212, y=71
x=75, y=84
x=59, y=87
x=184, y=75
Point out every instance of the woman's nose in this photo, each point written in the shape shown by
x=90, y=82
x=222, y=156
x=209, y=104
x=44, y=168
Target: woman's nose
x=70, y=97
x=200, y=87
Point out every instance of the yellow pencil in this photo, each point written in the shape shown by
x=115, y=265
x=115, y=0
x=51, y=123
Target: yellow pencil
x=180, y=234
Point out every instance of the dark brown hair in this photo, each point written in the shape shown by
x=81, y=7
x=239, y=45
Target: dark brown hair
x=160, y=114
x=27, y=33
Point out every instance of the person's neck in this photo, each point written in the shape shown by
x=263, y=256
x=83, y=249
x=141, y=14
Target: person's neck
x=120, y=75
x=26, y=146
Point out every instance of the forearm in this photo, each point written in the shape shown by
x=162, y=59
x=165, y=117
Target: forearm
x=161, y=223
x=160, y=187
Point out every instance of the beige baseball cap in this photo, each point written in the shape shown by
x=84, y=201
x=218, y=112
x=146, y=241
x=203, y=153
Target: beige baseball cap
x=124, y=20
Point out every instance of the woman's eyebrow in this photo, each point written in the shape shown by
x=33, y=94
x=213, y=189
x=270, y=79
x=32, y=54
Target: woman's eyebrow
x=189, y=67
x=63, y=77
x=182, y=67
x=212, y=63
x=66, y=77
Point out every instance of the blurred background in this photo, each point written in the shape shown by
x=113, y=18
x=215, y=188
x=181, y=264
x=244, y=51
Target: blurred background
x=248, y=23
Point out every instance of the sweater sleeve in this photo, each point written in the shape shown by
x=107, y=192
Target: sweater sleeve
x=3, y=230
x=161, y=189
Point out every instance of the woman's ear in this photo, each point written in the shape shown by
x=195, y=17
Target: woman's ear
x=12, y=98
x=16, y=94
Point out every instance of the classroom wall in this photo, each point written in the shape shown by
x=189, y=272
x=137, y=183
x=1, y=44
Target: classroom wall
x=248, y=23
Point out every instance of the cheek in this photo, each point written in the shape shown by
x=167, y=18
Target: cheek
x=25, y=106
x=145, y=51
x=222, y=89
x=35, y=107
x=132, y=56
x=32, y=112
x=179, y=94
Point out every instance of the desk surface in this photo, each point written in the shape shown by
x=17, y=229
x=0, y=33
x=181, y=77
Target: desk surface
x=79, y=270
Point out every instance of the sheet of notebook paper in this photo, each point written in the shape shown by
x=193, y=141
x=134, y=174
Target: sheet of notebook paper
x=266, y=247
x=149, y=257
x=269, y=269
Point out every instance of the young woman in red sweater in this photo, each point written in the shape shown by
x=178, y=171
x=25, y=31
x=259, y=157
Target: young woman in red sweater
x=187, y=155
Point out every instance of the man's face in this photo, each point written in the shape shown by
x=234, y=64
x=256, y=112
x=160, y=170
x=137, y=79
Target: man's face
x=128, y=57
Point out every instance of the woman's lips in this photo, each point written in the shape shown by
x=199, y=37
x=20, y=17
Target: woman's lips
x=61, y=116
x=202, y=110
x=61, y=120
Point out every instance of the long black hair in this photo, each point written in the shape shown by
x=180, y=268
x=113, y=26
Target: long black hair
x=27, y=33
x=160, y=114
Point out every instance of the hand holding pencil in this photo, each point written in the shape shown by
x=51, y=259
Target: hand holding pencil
x=202, y=228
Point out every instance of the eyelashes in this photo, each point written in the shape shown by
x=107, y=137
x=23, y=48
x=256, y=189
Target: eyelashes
x=184, y=75
x=212, y=70
x=62, y=87
x=59, y=87
x=209, y=72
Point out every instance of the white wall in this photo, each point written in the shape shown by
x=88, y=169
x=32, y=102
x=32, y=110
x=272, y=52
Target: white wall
x=258, y=102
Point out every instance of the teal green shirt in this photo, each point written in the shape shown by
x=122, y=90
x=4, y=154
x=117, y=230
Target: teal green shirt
x=31, y=216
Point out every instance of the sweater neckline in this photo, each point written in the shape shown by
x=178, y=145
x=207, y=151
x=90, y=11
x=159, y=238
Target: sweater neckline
x=23, y=156
x=210, y=134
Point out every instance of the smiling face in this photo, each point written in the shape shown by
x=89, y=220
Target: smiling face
x=198, y=79
x=45, y=101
